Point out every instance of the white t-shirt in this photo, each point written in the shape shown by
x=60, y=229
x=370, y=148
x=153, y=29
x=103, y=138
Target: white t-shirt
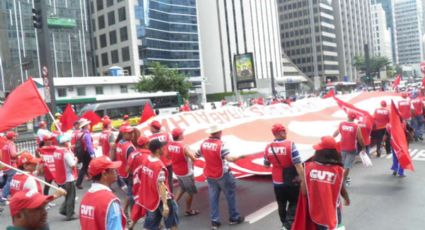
x=70, y=162
x=41, y=133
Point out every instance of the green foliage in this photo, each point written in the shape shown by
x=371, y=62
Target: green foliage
x=375, y=64
x=164, y=79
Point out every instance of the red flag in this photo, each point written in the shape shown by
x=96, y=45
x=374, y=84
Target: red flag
x=22, y=105
x=92, y=117
x=302, y=218
x=147, y=113
x=398, y=140
x=397, y=81
x=331, y=93
x=359, y=113
x=68, y=118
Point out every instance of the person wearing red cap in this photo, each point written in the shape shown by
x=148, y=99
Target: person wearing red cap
x=350, y=136
x=100, y=208
x=285, y=160
x=45, y=152
x=382, y=118
x=9, y=156
x=42, y=132
x=27, y=209
x=404, y=106
x=123, y=150
x=65, y=175
x=107, y=139
x=218, y=176
x=182, y=158
x=155, y=128
x=154, y=193
x=324, y=184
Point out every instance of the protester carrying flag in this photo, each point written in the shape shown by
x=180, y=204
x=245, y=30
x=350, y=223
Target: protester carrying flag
x=56, y=122
x=100, y=208
x=404, y=107
x=350, y=136
x=324, y=184
x=182, y=158
x=286, y=164
x=382, y=117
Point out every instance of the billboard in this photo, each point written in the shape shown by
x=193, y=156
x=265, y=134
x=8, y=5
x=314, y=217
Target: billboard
x=244, y=71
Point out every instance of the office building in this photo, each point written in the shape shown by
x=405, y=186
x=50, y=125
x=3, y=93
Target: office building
x=307, y=30
x=388, y=6
x=381, y=33
x=133, y=34
x=353, y=31
x=409, y=28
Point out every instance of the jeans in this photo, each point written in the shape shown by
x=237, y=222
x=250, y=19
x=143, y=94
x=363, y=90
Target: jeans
x=6, y=189
x=83, y=171
x=46, y=188
x=286, y=198
x=380, y=133
x=396, y=167
x=417, y=124
x=153, y=219
x=170, y=177
x=68, y=206
x=226, y=184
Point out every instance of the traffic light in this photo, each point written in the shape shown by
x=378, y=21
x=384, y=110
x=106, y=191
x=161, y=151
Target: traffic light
x=36, y=18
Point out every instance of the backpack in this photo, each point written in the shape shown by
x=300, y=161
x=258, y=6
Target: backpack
x=79, y=148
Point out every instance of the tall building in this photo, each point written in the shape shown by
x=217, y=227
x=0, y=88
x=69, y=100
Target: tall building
x=409, y=28
x=133, y=34
x=388, y=6
x=229, y=28
x=353, y=31
x=22, y=49
x=381, y=33
x=308, y=35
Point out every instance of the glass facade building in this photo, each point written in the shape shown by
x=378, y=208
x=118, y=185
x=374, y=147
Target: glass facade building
x=168, y=30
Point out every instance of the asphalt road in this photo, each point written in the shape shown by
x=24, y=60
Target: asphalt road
x=378, y=201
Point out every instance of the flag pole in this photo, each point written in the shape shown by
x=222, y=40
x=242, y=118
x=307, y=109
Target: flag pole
x=54, y=121
x=27, y=174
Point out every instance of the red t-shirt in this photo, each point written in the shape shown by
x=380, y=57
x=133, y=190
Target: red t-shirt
x=348, y=131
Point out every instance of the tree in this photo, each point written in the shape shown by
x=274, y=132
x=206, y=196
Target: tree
x=163, y=78
x=375, y=64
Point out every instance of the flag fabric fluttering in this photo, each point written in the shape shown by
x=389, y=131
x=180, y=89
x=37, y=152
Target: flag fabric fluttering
x=368, y=119
x=397, y=81
x=331, y=93
x=68, y=118
x=147, y=113
x=23, y=104
x=92, y=117
x=399, y=140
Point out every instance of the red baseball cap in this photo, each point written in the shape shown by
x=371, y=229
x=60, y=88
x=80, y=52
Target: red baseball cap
x=106, y=121
x=100, y=164
x=142, y=140
x=27, y=200
x=126, y=116
x=383, y=103
x=404, y=95
x=105, y=117
x=10, y=134
x=277, y=128
x=48, y=137
x=42, y=124
x=177, y=132
x=351, y=115
x=27, y=158
x=326, y=142
x=126, y=129
x=156, y=124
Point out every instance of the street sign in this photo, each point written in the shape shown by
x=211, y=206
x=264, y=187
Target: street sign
x=45, y=71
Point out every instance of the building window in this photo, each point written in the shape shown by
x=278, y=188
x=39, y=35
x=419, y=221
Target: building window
x=123, y=34
x=125, y=52
x=99, y=4
x=121, y=14
x=105, y=61
x=101, y=22
x=61, y=92
x=93, y=25
x=113, y=37
x=102, y=40
x=96, y=61
x=109, y=2
x=127, y=70
x=123, y=88
x=114, y=56
x=111, y=18
x=99, y=90
x=95, y=43
x=81, y=91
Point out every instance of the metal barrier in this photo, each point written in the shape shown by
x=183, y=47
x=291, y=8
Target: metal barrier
x=26, y=144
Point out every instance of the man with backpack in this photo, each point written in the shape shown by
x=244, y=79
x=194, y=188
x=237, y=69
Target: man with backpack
x=84, y=150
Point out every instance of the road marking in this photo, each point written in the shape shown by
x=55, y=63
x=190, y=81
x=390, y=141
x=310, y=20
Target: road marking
x=261, y=213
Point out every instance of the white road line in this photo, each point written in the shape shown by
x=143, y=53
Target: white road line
x=261, y=213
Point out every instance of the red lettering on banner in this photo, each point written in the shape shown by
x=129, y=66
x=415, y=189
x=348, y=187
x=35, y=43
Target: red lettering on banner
x=203, y=116
x=214, y=116
x=223, y=114
x=193, y=116
x=179, y=122
x=256, y=110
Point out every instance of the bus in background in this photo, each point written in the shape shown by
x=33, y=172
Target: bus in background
x=341, y=87
x=162, y=102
